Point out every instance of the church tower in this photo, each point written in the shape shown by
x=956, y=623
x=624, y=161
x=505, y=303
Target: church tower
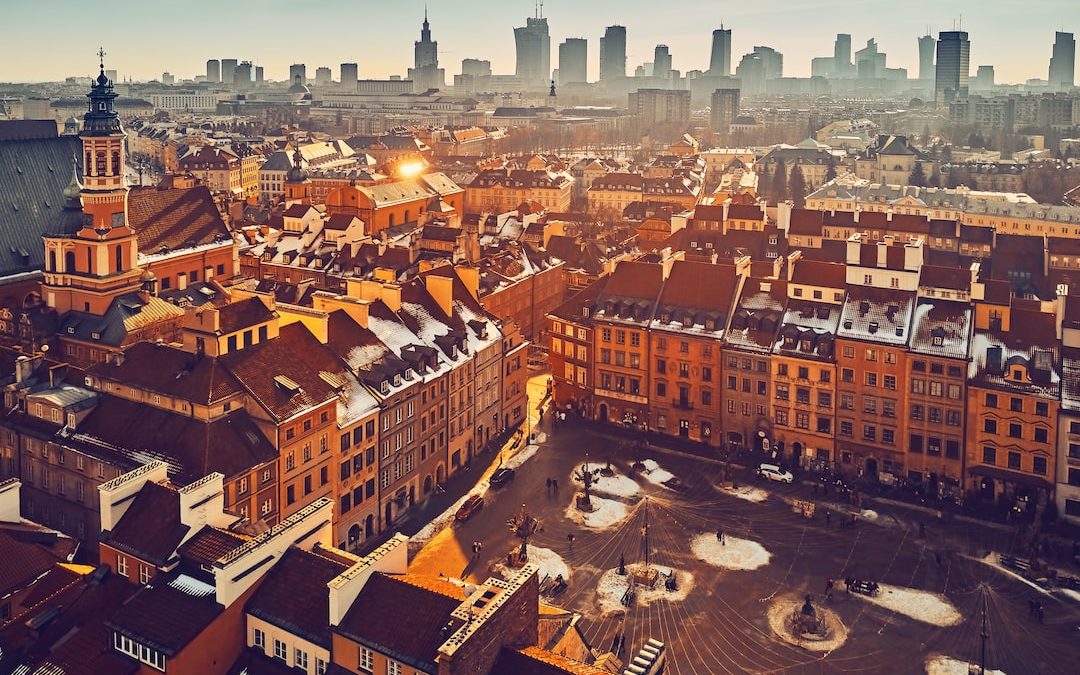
x=86, y=270
x=297, y=185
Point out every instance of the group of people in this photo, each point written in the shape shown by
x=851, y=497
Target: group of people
x=552, y=486
x=476, y=548
x=1035, y=609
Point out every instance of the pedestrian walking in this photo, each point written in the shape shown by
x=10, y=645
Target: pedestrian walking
x=828, y=517
x=555, y=486
x=720, y=536
x=829, y=583
x=549, y=485
x=570, y=540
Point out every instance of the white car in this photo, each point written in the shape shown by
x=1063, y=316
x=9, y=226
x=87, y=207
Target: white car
x=773, y=472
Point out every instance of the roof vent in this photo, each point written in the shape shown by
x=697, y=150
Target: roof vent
x=288, y=384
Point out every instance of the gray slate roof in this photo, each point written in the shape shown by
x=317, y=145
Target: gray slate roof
x=33, y=174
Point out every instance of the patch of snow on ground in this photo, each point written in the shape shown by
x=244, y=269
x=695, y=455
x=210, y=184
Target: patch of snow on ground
x=606, y=513
x=945, y=665
x=550, y=563
x=931, y=608
x=654, y=474
x=521, y=457
x=1070, y=593
x=612, y=587
x=869, y=514
x=733, y=554
x=614, y=486
x=747, y=492
x=541, y=437
x=992, y=559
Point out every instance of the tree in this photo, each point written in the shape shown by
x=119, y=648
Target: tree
x=935, y=178
x=830, y=169
x=797, y=188
x=917, y=177
x=779, y=181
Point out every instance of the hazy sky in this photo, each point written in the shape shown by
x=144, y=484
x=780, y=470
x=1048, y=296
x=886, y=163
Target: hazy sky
x=49, y=39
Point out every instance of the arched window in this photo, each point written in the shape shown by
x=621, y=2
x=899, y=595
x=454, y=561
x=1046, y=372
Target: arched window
x=88, y=165
x=406, y=216
x=99, y=163
x=116, y=163
x=89, y=261
x=119, y=258
x=391, y=221
x=52, y=261
x=69, y=262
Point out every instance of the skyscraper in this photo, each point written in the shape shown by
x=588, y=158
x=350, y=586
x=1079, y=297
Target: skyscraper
x=662, y=62
x=720, y=59
x=323, y=76
x=573, y=61
x=953, y=70
x=772, y=60
x=426, y=73
x=1063, y=61
x=228, y=69
x=298, y=70
x=533, y=50
x=213, y=71
x=350, y=73
x=613, y=53
x=243, y=75
x=842, y=55
x=927, y=44
x=724, y=109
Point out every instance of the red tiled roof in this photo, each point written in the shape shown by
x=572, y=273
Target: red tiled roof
x=173, y=372
x=174, y=218
x=209, y=544
x=700, y=285
x=956, y=278
x=21, y=562
x=537, y=661
x=243, y=314
x=293, y=595
x=806, y=222
x=745, y=212
x=636, y=280
x=150, y=529
x=165, y=618
x=411, y=620
x=819, y=273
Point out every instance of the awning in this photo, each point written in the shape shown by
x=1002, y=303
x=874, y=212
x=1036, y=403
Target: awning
x=1011, y=476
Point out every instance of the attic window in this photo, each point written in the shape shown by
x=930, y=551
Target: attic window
x=384, y=387
x=288, y=384
x=1018, y=374
x=96, y=335
x=938, y=340
x=397, y=380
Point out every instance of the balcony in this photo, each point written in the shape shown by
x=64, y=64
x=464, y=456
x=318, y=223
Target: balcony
x=682, y=403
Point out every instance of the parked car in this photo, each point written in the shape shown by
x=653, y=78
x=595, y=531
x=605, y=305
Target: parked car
x=469, y=508
x=773, y=472
x=501, y=477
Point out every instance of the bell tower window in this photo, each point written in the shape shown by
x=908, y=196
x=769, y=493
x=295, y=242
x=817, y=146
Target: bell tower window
x=119, y=258
x=99, y=163
x=69, y=262
x=116, y=163
x=52, y=261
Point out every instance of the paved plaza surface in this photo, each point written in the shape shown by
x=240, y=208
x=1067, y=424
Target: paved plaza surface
x=717, y=620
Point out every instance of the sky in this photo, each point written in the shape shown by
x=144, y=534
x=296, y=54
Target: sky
x=53, y=39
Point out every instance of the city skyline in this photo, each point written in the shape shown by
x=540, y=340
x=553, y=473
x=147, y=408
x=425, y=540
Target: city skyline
x=143, y=55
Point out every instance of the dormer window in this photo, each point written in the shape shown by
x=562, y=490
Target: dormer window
x=1018, y=374
x=397, y=380
x=384, y=387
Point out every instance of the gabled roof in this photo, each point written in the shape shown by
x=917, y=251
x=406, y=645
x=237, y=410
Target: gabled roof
x=126, y=316
x=165, y=616
x=537, y=661
x=819, y=273
x=21, y=562
x=173, y=372
x=293, y=596
x=173, y=219
x=414, y=616
x=150, y=529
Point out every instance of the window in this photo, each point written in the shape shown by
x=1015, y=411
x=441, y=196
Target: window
x=300, y=659
x=259, y=639
x=121, y=565
x=366, y=660
x=888, y=436
x=1042, y=409
x=782, y=392
x=990, y=426
x=280, y=650
x=847, y=401
x=991, y=400
x=1038, y=465
x=393, y=667
x=890, y=382
x=635, y=339
x=871, y=379
x=1014, y=460
x=869, y=432
x=989, y=455
x=915, y=444
x=1041, y=435
x=144, y=574
x=847, y=375
x=804, y=373
x=848, y=352
x=802, y=420
x=781, y=417
x=1016, y=431
x=952, y=449
x=320, y=667
x=846, y=428
x=1016, y=404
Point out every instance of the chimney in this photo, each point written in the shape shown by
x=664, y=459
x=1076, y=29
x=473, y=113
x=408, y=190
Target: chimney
x=24, y=368
x=356, y=308
x=442, y=289
x=56, y=374
x=203, y=503
x=390, y=558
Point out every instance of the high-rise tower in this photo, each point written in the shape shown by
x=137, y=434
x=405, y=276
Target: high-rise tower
x=613, y=53
x=720, y=58
x=953, y=67
x=534, y=49
x=927, y=45
x=842, y=55
x=1063, y=61
x=573, y=61
x=426, y=73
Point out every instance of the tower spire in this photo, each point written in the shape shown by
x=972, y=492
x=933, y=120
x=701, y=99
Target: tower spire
x=101, y=58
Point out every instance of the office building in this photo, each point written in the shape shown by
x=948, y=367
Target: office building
x=660, y=106
x=724, y=109
x=751, y=74
x=953, y=68
x=1063, y=61
x=720, y=58
x=242, y=75
x=662, y=62
x=842, y=55
x=213, y=71
x=613, y=53
x=927, y=45
x=984, y=79
x=426, y=73
x=533, y=51
x=476, y=67
x=869, y=62
x=260, y=76
x=298, y=70
x=573, y=61
x=323, y=78
x=350, y=73
x=228, y=70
